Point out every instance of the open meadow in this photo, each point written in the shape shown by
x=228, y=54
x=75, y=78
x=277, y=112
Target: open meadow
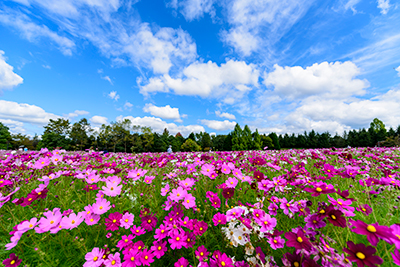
x=320, y=207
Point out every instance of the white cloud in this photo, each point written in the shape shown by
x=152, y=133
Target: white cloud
x=25, y=113
x=219, y=125
x=8, y=79
x=32, y=32
x=398, y=71
x=350, y=4
x=46, y=67
x=14, y=126
x=333, y=80
x=163, y=112
x=193, y=9
x=208, y=79
x=76, y=113
x=113, y=95
x=98, y=120
x=107, y=78
x=384, y=6
x=158, y=125
x=225, y=115
x=251, y=21
x=128, y=105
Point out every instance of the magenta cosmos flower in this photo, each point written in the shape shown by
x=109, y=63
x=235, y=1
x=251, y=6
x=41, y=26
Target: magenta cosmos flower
x=159, y=248
x=182, y=262
x=127, y=220
x=147, y=257
x=374, y=231
x=12, y=261
x=94, y=258
x=177, y=241
x=362, y=255
x=201, y=253
x=276, y=242
x=298, y=241
x=219, y=218
x=113, y=221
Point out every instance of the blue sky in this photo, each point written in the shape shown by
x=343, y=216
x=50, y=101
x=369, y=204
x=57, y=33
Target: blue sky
x=201, y=65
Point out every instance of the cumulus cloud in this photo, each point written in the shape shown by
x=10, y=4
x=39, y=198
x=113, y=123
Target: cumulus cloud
x=384, y=6
x=128, y=105
x=158, y=125
x=25, y=113
x=98, y=120
x=398, y=71
x=225, y=115
x=163, y=112
x=333, y=80
x=208, y=79
x=14, y=126
x=76, y=113
x=8, y=79
x=113, y=95
x=219, y=125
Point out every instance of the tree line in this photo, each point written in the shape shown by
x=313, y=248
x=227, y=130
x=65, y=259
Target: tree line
x=123, y=136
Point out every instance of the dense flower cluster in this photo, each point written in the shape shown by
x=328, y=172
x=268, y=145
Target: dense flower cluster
x=252, y=208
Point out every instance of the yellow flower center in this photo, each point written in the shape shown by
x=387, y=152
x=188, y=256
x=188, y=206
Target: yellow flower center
x=113, y=263
x=201, y=228
x=12, y=262
x=114, y=221
x=159, y=248
x=360, y=255
x=299, y=239
x=72, y=221
x=91, y=220
x=177, y=239
x=126, y=240
x=371, y=228
x=223, y=263
x=288, y=204
x=340, y=203
x=146, y=257
x=132, y=258
x=101, y=207
x=333, y=217
x=201, y=253
x=31, y=225
x=318, y=189
x=275, y=241
x=296, y=264
x=322, y=211
x=95, y=258
x=51, y=222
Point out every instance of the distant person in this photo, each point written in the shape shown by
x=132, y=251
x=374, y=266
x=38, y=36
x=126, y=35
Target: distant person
x=169, y=150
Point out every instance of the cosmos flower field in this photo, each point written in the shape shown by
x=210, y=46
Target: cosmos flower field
x=322, y=207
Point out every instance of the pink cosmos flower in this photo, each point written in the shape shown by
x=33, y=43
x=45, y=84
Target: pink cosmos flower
x=201, y=253
x=319, y=188
x=225, y=168
x=314, y=221
x=207, y=169
x=132, y=259
x=343, y=206
x=112, y=190
x=178, y=194
x=187, y=183
x=182, y=262
x=189, y=201
x=94, y=258
x=149, y=222
x=288, y=206
x=161, y=232
x=41, y=163
x=276, y=242
x=14, y=240
x=92, y=178
x=147, y=257
x=219, y=218
x=149, y=179
x=273, y=209
x=73, y=221
x=4, y=183
x=27, y=225
x=137, y=230
x=177, y=241
x=396, y=257
x=126, y=241
x=200, y=228
x=267, y=223
x=298, y=241
x=92, y=219
x=101, y=206
x=127, y=220
x=159, y=248
x=215, y=202
x=233, y=214
x=52, y=220
x=231, y=182
x=165, y=190
x=113, y=260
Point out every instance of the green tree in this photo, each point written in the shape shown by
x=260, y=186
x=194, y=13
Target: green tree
x=192, y=136
x=228, y=142
x=190, y=146
x=5, y=136
x=79, y=133
x=236, y=134
x=379, y=128
x=206, y=143
x=275, y=140
x=21, y=140
x=218, y=142
x=266, y=142
x=60, y=126
x=246, y=138
x=324, y=140
x=52, y=140
x=147, y=138
x=256, y=142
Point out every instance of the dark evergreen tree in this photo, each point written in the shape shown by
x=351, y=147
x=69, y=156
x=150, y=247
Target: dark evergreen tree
x=228, y=143
x=256, y=142
x=236, y=134
x=275, y=140
x=5, y=137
